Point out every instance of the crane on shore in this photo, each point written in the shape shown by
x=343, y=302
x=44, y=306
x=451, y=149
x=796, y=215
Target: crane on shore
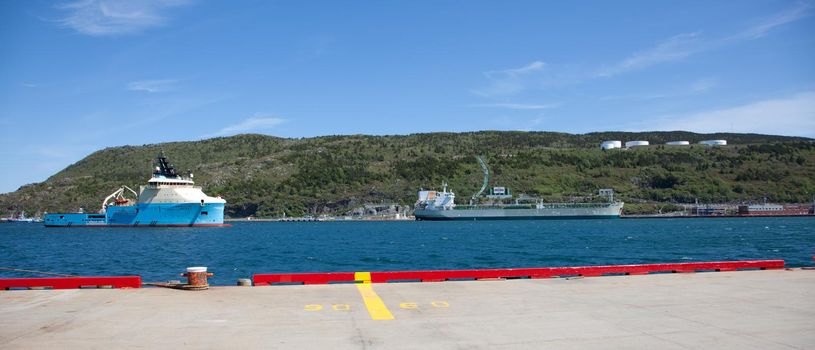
x=486, y=170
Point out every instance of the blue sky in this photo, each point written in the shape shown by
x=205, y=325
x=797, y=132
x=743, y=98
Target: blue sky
x=78, y=76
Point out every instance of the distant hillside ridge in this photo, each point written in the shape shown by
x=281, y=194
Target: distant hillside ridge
x=267, y=176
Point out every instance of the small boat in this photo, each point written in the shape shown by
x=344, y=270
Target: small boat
x=19, y=218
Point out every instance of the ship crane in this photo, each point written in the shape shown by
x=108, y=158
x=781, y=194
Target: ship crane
x=486, y=179
x=118, y=197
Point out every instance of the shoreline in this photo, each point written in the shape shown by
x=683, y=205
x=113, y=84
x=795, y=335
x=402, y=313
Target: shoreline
x=633, y=216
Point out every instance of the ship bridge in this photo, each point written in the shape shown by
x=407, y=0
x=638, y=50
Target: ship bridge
x=164, y=181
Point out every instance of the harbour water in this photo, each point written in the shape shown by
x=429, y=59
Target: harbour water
x=246, y=248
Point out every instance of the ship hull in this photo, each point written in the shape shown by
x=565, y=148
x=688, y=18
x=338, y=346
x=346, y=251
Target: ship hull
x=541, y=217
x=145, y=215
x=561, y=213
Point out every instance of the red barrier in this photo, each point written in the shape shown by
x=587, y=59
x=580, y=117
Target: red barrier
x=71, y=282
x=303, y=278
x=545, y=272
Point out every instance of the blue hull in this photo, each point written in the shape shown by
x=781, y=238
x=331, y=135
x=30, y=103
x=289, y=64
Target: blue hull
x=165, y=214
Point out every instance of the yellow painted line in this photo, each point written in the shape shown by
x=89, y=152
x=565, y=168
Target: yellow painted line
x=376, y=307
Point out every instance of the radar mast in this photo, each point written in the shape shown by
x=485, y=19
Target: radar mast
x=164, y=167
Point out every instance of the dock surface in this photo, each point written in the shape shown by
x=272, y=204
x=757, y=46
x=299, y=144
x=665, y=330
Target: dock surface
x=773, y=309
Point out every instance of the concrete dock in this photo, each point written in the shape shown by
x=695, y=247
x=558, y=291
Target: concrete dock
x=772, y=309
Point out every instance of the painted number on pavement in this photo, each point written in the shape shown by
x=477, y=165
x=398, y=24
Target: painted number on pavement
x=405, y=306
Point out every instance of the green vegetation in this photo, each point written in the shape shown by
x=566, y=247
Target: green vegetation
x=268, y=176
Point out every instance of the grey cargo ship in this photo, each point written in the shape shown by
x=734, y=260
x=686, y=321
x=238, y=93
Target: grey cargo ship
x=440, y=205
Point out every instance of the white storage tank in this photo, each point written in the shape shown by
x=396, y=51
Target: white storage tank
x=611, y=145
x=713, y=142
x=677, y=143
x=630, y=144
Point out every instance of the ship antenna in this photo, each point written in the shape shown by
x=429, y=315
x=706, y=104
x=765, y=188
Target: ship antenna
x=164, y=167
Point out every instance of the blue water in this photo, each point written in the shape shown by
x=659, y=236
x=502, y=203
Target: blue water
x=160, y=254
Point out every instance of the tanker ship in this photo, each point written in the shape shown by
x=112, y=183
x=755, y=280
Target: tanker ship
x=440, y=205
x=168, y=199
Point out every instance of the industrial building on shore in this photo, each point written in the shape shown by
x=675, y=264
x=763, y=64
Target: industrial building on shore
x=616, y=144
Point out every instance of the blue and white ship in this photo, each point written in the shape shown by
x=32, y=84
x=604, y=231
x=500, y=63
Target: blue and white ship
x=168, y=200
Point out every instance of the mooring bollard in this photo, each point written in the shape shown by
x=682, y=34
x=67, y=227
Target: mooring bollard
x=197, y=278
x=244, y=282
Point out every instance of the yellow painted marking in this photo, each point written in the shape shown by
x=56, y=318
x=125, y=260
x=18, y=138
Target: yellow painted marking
x=341, y=307
x=376, y=307
x=313, y=307
x=409, y=306
x=440, y=304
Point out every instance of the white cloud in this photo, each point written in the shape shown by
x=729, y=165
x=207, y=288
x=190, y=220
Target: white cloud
x=788, y=16
x=697, y=87
x=675, y=48
x=532, y=67
x=114, y=17
x=538, y=74
x=684, y=45
x=520, y=106
x=516, y=123
x=704, y=85
x=535, y=123
x=256, y=123
x=152, y=85
x=793, y=115
x=509, y=81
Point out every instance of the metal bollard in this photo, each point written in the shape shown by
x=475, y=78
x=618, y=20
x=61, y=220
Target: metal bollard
x=244, y=282
x=197, y=278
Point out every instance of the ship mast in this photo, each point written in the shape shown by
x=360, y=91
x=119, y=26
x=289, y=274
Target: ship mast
x=164, y=167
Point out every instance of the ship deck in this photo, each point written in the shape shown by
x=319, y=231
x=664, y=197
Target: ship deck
x=771, y=309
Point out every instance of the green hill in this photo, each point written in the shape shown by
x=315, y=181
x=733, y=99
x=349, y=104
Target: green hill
x=267, y=176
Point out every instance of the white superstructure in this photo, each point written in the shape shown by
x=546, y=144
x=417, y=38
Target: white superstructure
x=161, y=189
x=435, y=200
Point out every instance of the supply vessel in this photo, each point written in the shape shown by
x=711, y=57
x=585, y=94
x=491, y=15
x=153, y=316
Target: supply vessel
x=169, y=199
x=440, y=205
